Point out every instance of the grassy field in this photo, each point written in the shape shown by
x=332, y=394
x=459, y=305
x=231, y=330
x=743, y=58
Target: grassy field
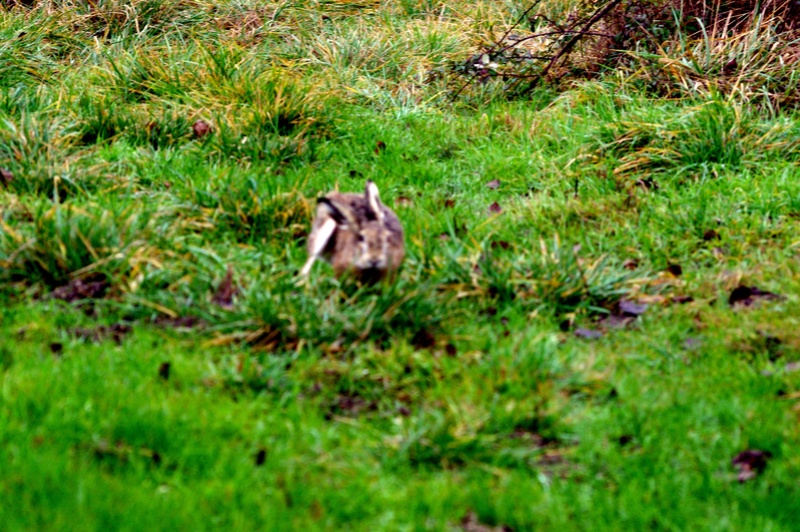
x=599, y=308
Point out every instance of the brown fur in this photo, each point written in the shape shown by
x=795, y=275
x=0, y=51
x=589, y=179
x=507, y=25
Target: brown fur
x=367, y=242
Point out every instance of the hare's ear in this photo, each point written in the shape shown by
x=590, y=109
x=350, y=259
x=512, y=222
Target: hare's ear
x=373, y=199
x=341, y=214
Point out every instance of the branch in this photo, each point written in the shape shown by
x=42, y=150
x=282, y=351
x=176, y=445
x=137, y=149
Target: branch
x=567, y=48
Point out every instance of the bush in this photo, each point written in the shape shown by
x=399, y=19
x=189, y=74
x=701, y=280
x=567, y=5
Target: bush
x=669, y=48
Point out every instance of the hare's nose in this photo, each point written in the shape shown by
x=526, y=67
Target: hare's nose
x=375, y=263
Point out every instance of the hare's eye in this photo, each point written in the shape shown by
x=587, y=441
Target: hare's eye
x=360, y=238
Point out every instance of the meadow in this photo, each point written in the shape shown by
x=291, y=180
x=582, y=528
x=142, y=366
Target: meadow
x=596, y=327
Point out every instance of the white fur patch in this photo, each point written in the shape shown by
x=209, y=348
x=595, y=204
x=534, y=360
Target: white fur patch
x=319, y=239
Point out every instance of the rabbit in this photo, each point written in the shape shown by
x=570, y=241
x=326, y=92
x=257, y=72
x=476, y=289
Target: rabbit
x=357, y=234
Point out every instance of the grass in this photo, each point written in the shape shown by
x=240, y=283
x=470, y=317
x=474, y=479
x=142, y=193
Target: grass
x=499, y=381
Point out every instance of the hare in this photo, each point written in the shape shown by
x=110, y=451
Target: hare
x=357, y=234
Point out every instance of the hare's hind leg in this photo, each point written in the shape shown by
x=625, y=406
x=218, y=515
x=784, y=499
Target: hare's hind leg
x=318, y=240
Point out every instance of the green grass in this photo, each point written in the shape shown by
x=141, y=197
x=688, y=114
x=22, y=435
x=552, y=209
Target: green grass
x=460, y=389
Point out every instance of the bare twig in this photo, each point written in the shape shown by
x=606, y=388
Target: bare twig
x=575, y=31
x=567, y=48
x=518, y=22
x=550, y=34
